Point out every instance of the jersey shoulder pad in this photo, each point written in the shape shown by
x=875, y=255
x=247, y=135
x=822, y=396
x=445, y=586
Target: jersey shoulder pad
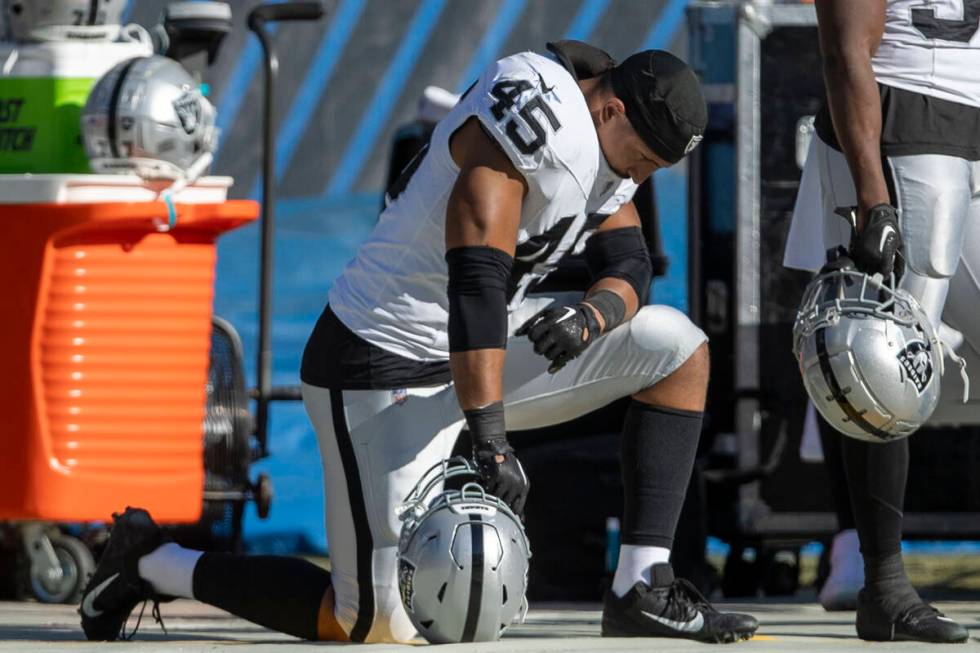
x=537, y=114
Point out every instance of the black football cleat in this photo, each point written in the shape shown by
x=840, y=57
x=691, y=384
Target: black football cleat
x=671, y=608
x=920, y=623
x=116, y=587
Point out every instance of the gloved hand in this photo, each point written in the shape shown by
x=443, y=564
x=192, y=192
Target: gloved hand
x=502, y=473
x=560, y=334
x=874, y=249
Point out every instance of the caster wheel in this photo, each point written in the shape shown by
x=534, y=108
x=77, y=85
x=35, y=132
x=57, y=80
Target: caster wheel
x=262, y=492
x=77, y=565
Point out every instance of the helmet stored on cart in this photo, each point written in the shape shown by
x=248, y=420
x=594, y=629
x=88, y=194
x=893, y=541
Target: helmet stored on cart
x=58, y=20
x=147, y=115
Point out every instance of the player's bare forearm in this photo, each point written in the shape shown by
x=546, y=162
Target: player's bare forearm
x=478, y=376
x=483, y=211
x=850, y=31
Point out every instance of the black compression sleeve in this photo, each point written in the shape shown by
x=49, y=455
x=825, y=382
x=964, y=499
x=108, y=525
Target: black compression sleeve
x=620, y=254
x=478, y=297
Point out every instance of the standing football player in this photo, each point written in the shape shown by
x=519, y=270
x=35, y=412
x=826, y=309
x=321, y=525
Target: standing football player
x=899, y=140
x=431, y=328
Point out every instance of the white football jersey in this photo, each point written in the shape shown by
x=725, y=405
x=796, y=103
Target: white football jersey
x=393, y=294
x=932, y=47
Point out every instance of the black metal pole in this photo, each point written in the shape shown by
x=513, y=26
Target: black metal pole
x=264, y=362
x=257, y=21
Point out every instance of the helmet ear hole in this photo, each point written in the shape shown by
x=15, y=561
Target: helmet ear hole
x=505, y=595
x=442, y=592
x=426, y=624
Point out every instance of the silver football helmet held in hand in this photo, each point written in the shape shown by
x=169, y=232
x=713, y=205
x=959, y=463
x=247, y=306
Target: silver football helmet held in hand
x=870, y=358
x=147, y=115
x=462, y=558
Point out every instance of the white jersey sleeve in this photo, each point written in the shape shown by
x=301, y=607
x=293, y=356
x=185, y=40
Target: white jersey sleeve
x=532, y=108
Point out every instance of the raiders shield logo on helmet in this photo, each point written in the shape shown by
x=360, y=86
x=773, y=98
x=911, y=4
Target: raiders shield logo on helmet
x=917, y=364
x=189, y=111
x=406, y=584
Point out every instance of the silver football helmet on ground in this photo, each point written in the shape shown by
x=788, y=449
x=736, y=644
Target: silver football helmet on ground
x=147, y=115
x=870, y=358
x=462, y=558
x=57, y=20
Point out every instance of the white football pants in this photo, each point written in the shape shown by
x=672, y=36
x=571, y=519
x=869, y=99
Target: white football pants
x=938, y=201
x=375, y=444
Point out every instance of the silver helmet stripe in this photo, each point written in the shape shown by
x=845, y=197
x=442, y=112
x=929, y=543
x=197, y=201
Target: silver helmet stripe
x=476, y=579
x=114, y=106
x=838, y=393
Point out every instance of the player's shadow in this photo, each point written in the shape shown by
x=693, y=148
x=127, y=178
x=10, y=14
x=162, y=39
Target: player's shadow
x=54, y=633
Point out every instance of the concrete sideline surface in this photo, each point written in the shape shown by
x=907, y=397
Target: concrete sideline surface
x=192, y=627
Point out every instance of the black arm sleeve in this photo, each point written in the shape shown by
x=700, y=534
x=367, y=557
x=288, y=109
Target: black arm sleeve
x=478, y=297
x=621, y=254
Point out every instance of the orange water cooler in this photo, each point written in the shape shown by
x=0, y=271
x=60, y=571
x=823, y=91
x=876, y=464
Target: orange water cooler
x=105, y=319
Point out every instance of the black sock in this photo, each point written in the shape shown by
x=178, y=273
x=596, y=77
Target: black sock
x=876, y=475
x=830, y=441
x=657, y=455
x=886, y=580
x=277, y=592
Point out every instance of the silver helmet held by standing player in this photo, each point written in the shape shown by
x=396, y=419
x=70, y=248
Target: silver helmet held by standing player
x=56, y=20
x=869, y=355
x=462, y=558
x=147, y=115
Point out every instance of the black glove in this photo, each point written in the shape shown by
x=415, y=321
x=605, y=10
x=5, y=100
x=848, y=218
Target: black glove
x=874, y=249
x=559, y=334
x=501, y=471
